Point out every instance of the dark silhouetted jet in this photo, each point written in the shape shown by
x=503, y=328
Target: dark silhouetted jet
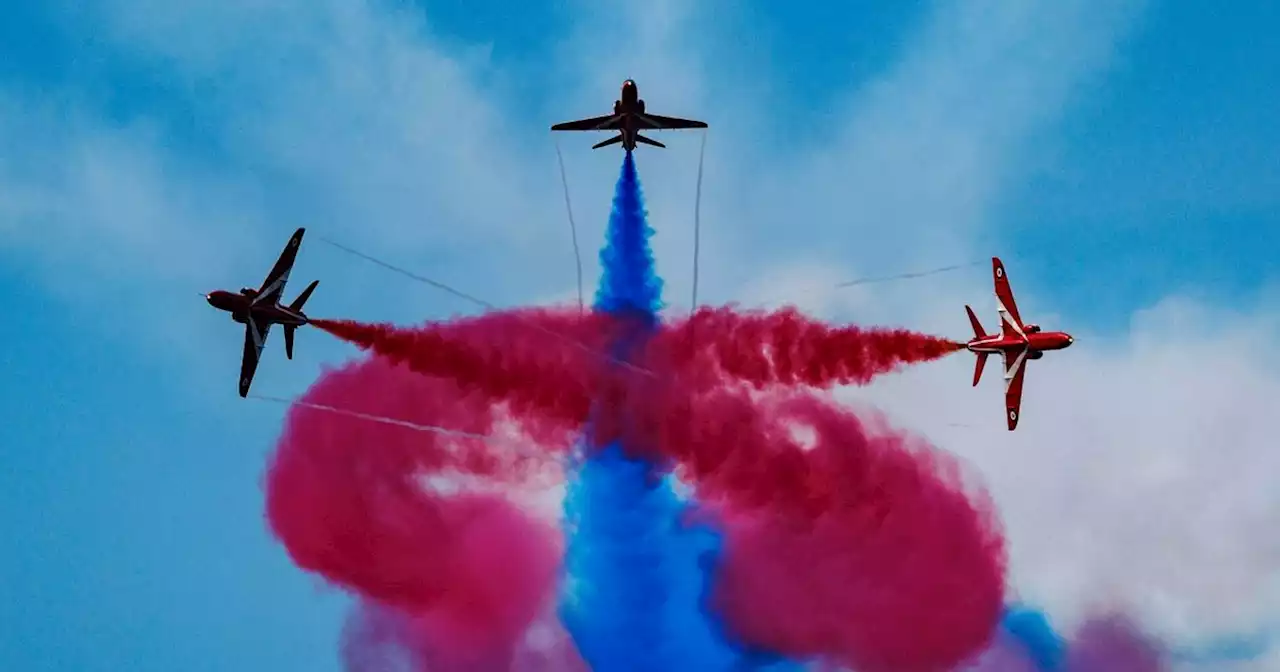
x=629, y=118
x=258, y=309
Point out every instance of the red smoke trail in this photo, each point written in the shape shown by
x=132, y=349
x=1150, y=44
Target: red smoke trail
x=553, y=361
x=526, y=358
x=860, y=544
x=349, y=500
x=788, y=348
x=378, y=640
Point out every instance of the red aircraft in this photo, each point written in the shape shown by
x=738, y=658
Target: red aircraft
x=629, y=118
x=1017, y=342
x=258, y=309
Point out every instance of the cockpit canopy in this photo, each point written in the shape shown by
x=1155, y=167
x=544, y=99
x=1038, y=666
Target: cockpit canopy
x=248, y=291
x=1032, y=328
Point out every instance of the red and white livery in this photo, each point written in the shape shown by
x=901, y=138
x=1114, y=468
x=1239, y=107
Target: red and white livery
x=1016, y=343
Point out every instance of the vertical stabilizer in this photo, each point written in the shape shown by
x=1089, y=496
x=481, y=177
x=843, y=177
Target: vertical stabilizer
x=301, y=301
x=978, y=331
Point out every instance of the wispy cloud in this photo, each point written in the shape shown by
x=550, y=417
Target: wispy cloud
x=1139, y=476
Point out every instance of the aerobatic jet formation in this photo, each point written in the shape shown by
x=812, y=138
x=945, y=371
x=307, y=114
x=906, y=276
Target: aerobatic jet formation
x=258, y=309
x=1016, y=342
x=628, y=118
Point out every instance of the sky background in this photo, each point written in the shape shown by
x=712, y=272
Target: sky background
x=1118, y=154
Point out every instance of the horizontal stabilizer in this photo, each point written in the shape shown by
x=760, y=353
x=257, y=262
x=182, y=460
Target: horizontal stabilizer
x=647, y=141
x=977, y=370
x=288, y=340
x=611, y=141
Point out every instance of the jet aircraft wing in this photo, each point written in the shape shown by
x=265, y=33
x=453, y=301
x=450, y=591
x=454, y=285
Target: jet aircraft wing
x=659, y=122
x=255, y=338
x=1010, y=321
x=610, y=122
x=1015, y=370
x=273, y=287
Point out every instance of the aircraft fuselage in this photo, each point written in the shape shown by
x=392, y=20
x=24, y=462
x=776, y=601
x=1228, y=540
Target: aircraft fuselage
x=631, y=96
x=1036, y=343
x=628, y=105
x=241, y=307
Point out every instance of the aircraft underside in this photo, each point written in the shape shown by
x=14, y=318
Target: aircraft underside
x=276, y=315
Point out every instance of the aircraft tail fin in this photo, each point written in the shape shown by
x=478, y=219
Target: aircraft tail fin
x=296, y=307
x=978, y=331
x=611, y=141
x=977, y=368
x=648, y=141
x=297, y=304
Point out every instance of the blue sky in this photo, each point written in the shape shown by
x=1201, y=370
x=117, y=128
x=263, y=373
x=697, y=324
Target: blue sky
x=1125, y=149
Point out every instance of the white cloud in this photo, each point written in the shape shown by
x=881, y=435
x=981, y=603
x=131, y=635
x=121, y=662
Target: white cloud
x=1141, y=476
x=928, y=144
x=1141, y=473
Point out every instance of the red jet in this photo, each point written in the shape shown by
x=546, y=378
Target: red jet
x=258, y=309
x=628, y=118
x=1016, y=342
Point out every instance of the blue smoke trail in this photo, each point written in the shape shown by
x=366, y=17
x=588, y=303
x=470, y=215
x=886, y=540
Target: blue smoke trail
x=629, y=282
x=635, y=575
x=1048, y=650
x=1031, y=629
